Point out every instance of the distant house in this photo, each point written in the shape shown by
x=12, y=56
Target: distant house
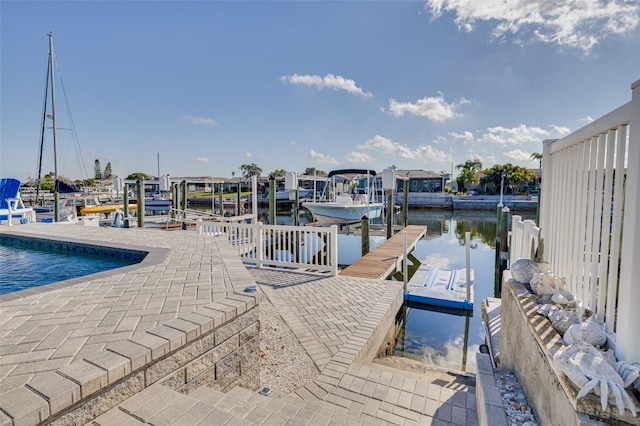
x=421, y=181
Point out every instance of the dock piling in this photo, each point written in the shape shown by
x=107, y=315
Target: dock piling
x=405, y=201
x=272, y=200
x=140, y=202
x=125, y=200
x=364, y=226
x=390, y=204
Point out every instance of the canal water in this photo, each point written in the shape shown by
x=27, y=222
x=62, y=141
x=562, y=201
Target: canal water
x=447, y=338
x=436, y=336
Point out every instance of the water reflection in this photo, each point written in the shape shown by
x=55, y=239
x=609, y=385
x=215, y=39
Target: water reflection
x=444, y=337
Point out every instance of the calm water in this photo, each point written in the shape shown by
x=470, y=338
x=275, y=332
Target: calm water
x=22, y=268
x=448, y=339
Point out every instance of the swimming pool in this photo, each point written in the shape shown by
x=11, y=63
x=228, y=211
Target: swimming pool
x=26, y=263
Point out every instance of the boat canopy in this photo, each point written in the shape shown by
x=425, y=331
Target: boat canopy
x=352, y=172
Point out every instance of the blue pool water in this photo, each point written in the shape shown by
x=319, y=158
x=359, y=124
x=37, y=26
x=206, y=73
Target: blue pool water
x=26, y=264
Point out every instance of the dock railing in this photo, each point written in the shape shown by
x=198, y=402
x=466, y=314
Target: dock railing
x=188, y=218
x=525, y=239
x=314, y=249
x=590, y=219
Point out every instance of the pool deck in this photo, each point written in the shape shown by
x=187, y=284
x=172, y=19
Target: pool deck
x=60, y=344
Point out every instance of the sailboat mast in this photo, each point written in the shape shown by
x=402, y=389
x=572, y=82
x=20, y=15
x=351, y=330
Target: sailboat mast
x=53, y=119
x=42, y=130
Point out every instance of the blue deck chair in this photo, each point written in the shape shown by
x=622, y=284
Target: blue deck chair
x=11, y=205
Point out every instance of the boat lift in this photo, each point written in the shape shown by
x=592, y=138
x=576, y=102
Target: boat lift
x=445, y=288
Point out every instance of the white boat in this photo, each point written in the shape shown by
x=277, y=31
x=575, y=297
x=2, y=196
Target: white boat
x=441, y=287
x=347, y=203
x=289, y=195
x=157, y=203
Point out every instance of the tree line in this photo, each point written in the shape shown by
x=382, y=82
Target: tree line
x=472, y=173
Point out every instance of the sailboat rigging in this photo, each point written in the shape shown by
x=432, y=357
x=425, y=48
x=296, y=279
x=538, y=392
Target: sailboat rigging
x=50, y=88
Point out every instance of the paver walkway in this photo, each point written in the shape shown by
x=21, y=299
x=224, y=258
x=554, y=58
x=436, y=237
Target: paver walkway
x=332, y=317
x=336, y=320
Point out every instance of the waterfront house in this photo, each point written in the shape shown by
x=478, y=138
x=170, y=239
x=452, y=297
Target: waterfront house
x=421, y=181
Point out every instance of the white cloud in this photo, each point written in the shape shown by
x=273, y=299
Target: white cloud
x=519, y=135
x=248, y=155
x=518, y=155
x=321, y=158
x=434, y=108
x=388, y=146
x=560, y=130
x=588, y=119
x=202, y=160
x=579, y=24
x=200, y=120
x=359, y=157
x=427, y=152
x=466, y=136
x=514, y=135
x=329, y=81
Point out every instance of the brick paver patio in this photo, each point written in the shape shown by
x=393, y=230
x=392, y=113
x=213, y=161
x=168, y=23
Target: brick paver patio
x=61, y=344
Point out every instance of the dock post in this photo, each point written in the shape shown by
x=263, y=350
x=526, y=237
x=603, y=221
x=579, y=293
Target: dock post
x=296, y=208
x=365, y=235
x=254, y=197
x=140, y=202
x=272, y=200
x=405, y=202
x=389, y=213
x=125, y=201
x=221, y=199
x=405, y=266
x=505, y=220
x=333, y=248
x=172, y=190
x=56, y=205
x=467, y=251
x=238, y=199
x=497, y=283
x=502, y=249
x=184, y=203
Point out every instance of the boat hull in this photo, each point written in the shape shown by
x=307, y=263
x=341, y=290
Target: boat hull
x=340, y=214
x=105, y=209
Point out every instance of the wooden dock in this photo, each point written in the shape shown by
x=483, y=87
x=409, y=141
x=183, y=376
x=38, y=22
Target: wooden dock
x=386, y=259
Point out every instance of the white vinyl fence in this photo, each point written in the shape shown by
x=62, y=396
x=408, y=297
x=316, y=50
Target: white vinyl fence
x=314, y=249
x=590, y=218
x=524, y=239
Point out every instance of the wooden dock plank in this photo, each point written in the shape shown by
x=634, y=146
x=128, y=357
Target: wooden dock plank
x=386, y=259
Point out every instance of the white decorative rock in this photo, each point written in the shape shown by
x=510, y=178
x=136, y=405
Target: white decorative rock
x=590, y=332
x=523, y=270
x=563, y=324
x=539, y=285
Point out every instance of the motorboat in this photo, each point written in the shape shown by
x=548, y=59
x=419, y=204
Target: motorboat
x=348, y=196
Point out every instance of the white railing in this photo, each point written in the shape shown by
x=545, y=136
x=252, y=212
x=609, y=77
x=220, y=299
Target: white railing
x=590, y=218
x=525, y=239
x=314, y=249
x=189, y=217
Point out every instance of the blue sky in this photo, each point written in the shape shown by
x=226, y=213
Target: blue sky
x=288, y=85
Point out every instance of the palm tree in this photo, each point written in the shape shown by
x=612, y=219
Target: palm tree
x=469, y=172
x=537, y=156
